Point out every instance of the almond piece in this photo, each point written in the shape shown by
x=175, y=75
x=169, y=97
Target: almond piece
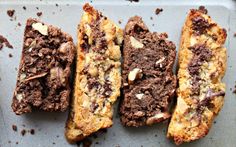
x=134, y=74
x=43, y=29
x=135, y=43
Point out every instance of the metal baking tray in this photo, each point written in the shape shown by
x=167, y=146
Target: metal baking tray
x=49, y=127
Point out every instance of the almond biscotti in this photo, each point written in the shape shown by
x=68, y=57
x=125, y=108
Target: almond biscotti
x=148, y=80
x=98, y=79
x=202, y=65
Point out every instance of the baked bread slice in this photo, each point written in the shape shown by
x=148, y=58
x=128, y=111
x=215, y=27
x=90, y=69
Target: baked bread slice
x=98, y=79
x=148, y=80
x=202, y=65
x=44, y=71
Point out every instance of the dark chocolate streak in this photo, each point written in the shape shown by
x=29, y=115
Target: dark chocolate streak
x=200, y=25
x=201, y=55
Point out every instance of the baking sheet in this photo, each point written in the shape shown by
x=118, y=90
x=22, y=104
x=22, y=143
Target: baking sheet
x=49, y=127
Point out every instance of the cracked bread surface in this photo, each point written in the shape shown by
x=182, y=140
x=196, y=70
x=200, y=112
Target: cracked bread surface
x=44, y=70
x=98, y=78
x=147, y=75
x=202, y=65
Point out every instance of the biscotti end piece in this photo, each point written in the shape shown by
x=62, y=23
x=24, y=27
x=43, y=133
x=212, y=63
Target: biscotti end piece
x=44, y=71
x=202, y=64
x=148, y=80
x=98, y=78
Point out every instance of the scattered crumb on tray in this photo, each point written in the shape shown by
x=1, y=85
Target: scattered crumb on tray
x=10, y=55
x=14, y=128
x=19, y=24
x=120, y=22
x=10, y=13
x=24, y=7
x=3, y=41
x=17, y=142
x=9, y=141
x=158, y=11
x=133, y=0
x=32, y=132
x=57, y=5
x=23, y=132
x=151, y=18
x=39, y=14
x=234, y=34
x=37, y=8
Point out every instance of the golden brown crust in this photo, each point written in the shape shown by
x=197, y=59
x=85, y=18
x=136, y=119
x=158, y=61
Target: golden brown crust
x=98, y=79
x=202, y=65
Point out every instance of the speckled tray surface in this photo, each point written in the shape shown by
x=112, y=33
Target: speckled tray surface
x=49, y=127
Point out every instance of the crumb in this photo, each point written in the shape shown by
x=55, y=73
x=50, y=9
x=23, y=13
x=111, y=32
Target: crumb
x=23, y=125
x=234, y=34
x=17, y=142
x=24, y=7
x=202, y=9
x=133, y=0
x=155, y=135
x=23, y=132
x=10, y=13
x=32, y=131
x=10, y=55
x=158, y=11
x=37, y=8
x=15, y=68
x=153, y=25
x=151, y=18
x=19, y=24
x=57, y=136
x=67, y=4
x=4, y=40
x=96, y=142
x=120, y=22
x=9, y=141
x=53, y=143
x=214, y=122
x=57, y=5
x=53, y=13
x=14, y=128
x=39, y=14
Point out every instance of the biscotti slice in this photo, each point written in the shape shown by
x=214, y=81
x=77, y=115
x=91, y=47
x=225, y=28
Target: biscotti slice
x=148, y=80
x=44, y=71
x=202, y=64
x=98, y=77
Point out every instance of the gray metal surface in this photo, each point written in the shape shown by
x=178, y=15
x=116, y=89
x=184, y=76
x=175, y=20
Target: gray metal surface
x=49, y=127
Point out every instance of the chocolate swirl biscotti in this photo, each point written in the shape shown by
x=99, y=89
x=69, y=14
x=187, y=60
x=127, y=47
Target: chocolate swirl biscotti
x=148, y=80
x=44, y=71
x=202, y=64
x=98, y=78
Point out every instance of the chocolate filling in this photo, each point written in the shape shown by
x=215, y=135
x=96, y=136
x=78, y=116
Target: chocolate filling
x=200, y=25
x=201, y=55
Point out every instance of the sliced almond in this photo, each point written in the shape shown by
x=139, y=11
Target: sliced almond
x=43, y=29
x=135, y=43
x=139, y=96
x=134, y=74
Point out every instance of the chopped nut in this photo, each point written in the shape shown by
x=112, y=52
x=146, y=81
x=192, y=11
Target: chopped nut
x=157, y=118
x=63, y=48
x=135, y=43
x=134, y=74
x=19, y=97
x=139, y=113
x=32, y=45
x=22, y=76
x=57, y=73
x=43, y=29
x=160, y=60
x=93, y=71
x=139, y=96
